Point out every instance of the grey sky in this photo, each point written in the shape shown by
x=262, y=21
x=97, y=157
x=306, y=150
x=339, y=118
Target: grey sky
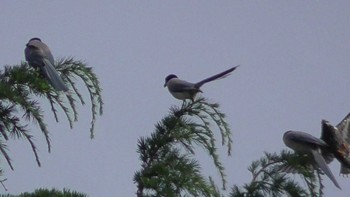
x=294, y=58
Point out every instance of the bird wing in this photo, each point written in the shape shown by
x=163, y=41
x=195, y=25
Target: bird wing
x=323, y=166
x=344, y=128
x=217, y=76
x=178, y=85
x=344, y=148
x=305, y=138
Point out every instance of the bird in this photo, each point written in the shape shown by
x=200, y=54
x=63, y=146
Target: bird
x=38, y=55
x=182, y=90
x=304, y=143
x=338, y=139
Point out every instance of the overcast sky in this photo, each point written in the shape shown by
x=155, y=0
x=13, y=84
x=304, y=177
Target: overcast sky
x=294, y=58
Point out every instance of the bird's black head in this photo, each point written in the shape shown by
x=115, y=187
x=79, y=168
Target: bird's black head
x=38, y=39
x=171, y=76
x=35, y=39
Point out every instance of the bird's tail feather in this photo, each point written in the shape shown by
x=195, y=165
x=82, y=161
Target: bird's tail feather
x=53, y=76
x=215, y=77
x=323, y=165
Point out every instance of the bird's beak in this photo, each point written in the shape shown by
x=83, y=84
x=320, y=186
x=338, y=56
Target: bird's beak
x=164, y=85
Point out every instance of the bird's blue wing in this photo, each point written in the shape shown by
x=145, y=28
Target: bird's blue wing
x=178, y=85
x=305, y=138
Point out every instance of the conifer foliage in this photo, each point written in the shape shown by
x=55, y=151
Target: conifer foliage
x=168, y=163
x=169, y=166
x=273, y=175
x=21, y=89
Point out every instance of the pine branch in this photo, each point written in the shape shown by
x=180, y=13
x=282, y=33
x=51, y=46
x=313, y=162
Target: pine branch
x=71, y=69
x=2, y=183
x=207, y=113
x=169, y=167
x=3, y=180
x=201, y=109
x=271, y=177
x=55, y=99
x=14, y=82
x=3, y=151
x=21, y=84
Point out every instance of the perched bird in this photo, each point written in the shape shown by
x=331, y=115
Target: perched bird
x=304, y=143
x=183, y=90
x=338, y=140
x=39, y=55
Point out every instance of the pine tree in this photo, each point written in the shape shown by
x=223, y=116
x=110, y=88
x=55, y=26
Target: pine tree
x=272, y=177
x=168, y=163
x=169, y=167
x=21, y=86
x=46, y=192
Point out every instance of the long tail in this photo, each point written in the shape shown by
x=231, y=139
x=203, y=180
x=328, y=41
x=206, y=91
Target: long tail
x=323, y=165
x=52, y=75
x=215, y=77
